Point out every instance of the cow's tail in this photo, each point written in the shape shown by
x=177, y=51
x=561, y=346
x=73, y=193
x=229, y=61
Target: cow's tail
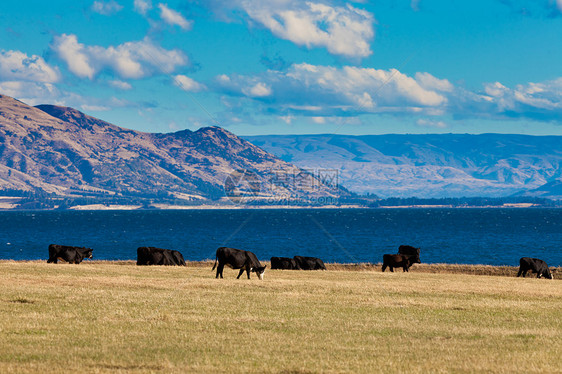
x=215, y=265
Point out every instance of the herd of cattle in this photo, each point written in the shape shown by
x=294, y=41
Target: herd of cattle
x=248, y=261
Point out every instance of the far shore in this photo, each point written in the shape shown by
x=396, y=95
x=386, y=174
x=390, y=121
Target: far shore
x=8, y=207
x=490, y=270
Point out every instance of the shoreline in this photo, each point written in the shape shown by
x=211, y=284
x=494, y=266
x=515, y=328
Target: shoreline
x=162, y=207
x=437, y=268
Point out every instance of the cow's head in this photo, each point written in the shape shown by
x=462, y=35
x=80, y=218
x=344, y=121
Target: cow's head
x=259, y=271
x=413, y=259
x=547, y=274
x=87, y=252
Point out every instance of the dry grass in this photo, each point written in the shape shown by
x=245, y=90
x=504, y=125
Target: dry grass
x=106, y=317
x=506, y=271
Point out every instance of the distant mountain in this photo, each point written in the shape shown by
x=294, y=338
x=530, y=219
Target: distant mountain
x=62, y=151
x=448, y=165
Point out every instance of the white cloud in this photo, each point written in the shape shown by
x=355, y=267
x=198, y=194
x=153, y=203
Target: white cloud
x=120, y=84
x=106, y=8
x=35, y=93
x=342, y=30
x=188, y=84
x=128, y=60
x=495, y=89
x=16, y=66
x=415, y=5
x=539, y=101
x=559, y=5
x=32, y=93
x=74, y=54
x=328, y=90
x=143, y=6
x=172, y=17
x=258, y=90
x=429, y=82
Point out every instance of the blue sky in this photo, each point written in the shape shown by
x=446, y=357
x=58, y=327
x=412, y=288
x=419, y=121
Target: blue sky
x=291, y=66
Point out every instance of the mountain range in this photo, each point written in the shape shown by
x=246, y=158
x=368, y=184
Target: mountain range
x=61, y=151
x=432, y=165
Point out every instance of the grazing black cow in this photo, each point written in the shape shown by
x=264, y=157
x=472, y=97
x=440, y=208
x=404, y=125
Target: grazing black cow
x=309, y=263
x=238, y=259
x=284, y=263
x=159, y=256
x=535, y=265
x=397, y=261
x=410, y=251
x=73, y=255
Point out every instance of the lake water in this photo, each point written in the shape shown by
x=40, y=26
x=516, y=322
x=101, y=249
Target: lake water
x=467, y=236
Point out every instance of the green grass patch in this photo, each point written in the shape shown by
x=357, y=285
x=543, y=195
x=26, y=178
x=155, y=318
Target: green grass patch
x=104, y=317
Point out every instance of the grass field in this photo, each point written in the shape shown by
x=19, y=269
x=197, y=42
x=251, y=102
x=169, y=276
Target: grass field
x=106, y=317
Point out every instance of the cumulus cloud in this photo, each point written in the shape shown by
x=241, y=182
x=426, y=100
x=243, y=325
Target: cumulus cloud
x=142, y=6
x=326, y=91
x=17, y=66
x=542, y=101
x=106, y=8
x=311, y=88
x=74, y=54
x=188, y=84
x=172, y=17
x=258, y=90
x=128, y=60
x=430, y=82
x=342, y=30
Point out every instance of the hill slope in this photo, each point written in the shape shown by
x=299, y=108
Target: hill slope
x=61, y=150
x=448, y=165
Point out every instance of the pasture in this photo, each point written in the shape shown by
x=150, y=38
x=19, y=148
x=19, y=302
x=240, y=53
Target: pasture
x=107, y=317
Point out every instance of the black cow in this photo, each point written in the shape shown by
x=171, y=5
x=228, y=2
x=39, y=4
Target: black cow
x=397, y=261
x=284, y=263
x=238, y=259
x=309, y=263
x=73, y=255
x=535, y=265
x=410, y=251
x=159, y=256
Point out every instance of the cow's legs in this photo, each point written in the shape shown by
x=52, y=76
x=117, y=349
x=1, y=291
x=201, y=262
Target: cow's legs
x=520, y=272
x=405, y=269
x=240, y=273
x=248, y=271
x=219, y=270
x=391, y=269
x=384, y=267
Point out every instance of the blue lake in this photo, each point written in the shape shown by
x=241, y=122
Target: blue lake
x=467, y=236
